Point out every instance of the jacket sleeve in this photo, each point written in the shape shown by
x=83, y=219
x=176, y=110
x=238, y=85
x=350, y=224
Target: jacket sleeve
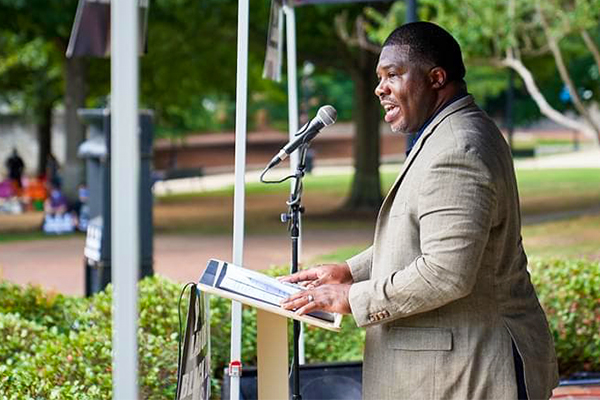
x=360, y=265
x=456, y=202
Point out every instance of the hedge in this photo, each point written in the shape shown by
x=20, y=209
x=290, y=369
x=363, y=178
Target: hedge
x=59, y=347
x=569, y=291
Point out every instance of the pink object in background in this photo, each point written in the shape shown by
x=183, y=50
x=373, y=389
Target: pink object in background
x=6, y=189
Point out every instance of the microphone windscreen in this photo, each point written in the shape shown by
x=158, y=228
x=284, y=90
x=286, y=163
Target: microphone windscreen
x=327, y=114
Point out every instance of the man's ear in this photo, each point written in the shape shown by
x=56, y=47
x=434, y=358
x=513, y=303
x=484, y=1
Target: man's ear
x=438, y=77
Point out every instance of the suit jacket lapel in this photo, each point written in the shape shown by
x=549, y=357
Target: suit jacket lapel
x=451, y=109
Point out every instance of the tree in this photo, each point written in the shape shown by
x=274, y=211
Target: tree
x=30, y=80
x=191, y=57
x=47, y=24
x=514, y=34
x=191, y=64
x=336, y=38
x=365, y=192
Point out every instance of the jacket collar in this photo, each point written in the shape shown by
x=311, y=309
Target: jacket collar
x=430, y=119
x=449, y=110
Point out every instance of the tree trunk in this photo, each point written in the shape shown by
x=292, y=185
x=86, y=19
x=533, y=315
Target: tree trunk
x=44, y=135
x=365, y=193
x=75, y=93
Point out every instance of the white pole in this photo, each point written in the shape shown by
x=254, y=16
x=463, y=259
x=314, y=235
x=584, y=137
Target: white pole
x=292, y=73
x=240, y=171
x=124, y=195
x=290, y=19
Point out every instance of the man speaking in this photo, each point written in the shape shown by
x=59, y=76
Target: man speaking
x=444, y=292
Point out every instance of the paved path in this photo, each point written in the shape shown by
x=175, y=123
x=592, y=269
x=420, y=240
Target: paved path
x=57, y=263
x=589, y=158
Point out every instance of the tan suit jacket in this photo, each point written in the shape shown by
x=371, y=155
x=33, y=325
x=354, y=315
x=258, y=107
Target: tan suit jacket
x=445, y=287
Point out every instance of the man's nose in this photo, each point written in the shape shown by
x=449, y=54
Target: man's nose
x=380, y=89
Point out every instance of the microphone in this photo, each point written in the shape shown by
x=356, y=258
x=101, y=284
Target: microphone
x=325, y=117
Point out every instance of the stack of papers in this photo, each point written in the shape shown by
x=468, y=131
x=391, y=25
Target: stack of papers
x=252, y=284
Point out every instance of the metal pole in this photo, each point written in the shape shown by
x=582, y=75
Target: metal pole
x=296, y=364
x=239, y=189
x=411, y=16
x=290, y=19
x=510, y=101
x=295, y=210
x=292, y=73
x=411, y=11
x=125, y=193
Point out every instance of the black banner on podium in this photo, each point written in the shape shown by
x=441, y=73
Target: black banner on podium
x=193, y=377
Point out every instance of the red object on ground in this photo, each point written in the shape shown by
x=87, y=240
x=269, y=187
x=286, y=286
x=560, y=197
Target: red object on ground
x=591, y=392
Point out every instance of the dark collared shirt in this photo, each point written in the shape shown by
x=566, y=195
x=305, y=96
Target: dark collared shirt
x=420, y=132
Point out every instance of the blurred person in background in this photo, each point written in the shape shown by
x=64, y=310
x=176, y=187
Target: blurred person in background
x=15, y=166
x=81, y=209
x=56, y=203
x=57, y=218
x=52, y=172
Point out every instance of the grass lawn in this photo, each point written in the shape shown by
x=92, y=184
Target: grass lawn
x=542, y=191
x=534, y=141
x=537, y=183
x=549, y=190
x=571, y=238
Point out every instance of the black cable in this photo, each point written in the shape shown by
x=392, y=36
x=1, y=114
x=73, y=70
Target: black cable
x=279, y=181
x=180, y=330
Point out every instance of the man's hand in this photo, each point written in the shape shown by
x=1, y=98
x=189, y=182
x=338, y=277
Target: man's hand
x=327, y=274
x=331, y=298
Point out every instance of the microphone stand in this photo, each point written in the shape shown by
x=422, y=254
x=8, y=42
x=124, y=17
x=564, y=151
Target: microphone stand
x=292, y=217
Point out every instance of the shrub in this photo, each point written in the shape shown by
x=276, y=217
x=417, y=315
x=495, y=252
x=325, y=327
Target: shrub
x=19, y=336
x=569, y=291
x=44, y=308
x=59, y=347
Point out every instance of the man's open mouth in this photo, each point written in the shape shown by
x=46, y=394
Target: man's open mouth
x=391, y=112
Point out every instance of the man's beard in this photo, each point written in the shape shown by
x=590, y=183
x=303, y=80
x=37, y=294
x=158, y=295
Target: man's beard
x=398, y=131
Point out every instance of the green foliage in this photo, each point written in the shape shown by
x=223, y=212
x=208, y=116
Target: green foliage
x=335, y=88
x=569, y=291
x=39, y=307
x=326, y=346
x=30, y=73
x=491, y=30
x=190, y=64
x=19, y=336
x=59, y=347
x=381, y=25
x=33, y=41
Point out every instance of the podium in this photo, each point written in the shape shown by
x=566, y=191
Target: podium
x=264, y=293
